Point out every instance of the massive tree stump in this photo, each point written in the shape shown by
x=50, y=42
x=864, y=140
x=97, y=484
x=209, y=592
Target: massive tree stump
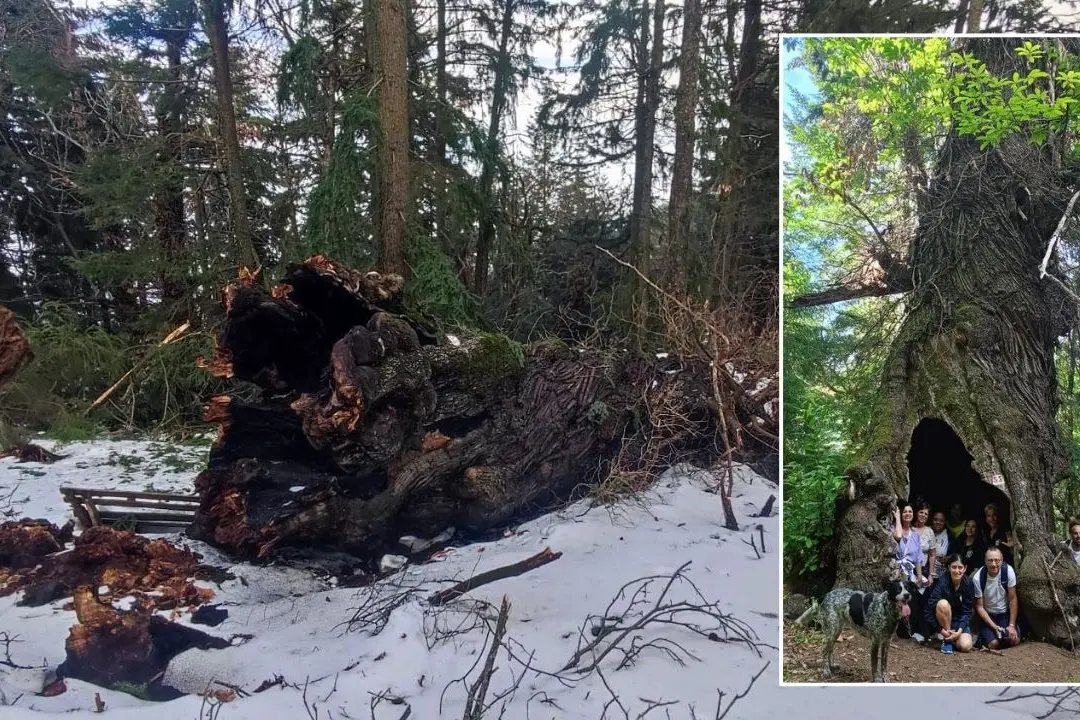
x=367, y=429
x=967, y=408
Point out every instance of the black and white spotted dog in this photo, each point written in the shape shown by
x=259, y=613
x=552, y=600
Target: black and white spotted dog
x=875, y=615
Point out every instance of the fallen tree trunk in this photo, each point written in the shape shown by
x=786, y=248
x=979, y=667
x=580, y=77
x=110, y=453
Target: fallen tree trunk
x=368, y=430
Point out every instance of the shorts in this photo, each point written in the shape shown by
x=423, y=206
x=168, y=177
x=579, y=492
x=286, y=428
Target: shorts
x=987, y=634
x=957, y=625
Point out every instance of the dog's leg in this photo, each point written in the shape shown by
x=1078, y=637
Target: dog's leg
x=884, y=666
x=875, y=646
x=830, y=641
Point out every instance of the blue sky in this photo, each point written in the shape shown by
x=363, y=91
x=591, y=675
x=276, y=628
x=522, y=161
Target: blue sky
x=793, y=78
x=798, y=79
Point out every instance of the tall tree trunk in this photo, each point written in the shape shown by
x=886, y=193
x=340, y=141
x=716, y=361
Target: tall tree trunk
x=169, y=199
x=442, y=132
x=1070, y=407
x=746, y=260
x=214, y=17
x=975, y=11
x=648, y=98
x=682, y=171
x=487, y=175
x=961, y=17
x=967, y=407
x=393, y=147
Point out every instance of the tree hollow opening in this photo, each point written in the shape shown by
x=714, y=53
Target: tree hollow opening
x=940, y=471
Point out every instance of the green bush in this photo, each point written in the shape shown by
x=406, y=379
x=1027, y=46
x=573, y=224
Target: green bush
x=813, y=475
x=74, y=363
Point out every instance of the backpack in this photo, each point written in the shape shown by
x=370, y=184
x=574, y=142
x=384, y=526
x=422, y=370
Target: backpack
x=984, y=576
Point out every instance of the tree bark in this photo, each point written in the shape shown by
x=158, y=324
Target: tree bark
x=217, y=31
x=393, y=148
x=368, y=431
x=487, y=176
x=746, y=247
x=682, y=171
x=648, y=98
x=975, y=11
x=169, y=200
x=973, y=363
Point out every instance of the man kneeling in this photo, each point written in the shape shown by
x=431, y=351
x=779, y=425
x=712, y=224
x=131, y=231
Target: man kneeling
x=995, y=602
x=949, y=606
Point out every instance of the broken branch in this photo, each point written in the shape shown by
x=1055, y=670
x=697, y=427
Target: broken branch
x=489, y=576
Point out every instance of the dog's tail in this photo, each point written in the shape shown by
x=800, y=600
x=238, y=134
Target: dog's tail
x=810, y=614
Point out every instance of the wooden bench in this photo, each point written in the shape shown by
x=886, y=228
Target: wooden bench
x=141, y=512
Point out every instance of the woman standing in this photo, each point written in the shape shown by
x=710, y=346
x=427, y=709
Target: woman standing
x=969, y=546
x=925, y=569
x=909, y=556
x=997, y=535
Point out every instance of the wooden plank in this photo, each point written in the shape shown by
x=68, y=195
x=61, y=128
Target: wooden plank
x=108, y=516
x=144, y=504
x=95, y=519
x=81, y=515
x=82, y=492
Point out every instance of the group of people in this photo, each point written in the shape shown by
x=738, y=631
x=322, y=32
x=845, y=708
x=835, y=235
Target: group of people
x=963, y=575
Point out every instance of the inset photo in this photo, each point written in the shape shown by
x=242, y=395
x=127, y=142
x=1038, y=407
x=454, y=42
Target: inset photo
x=931, y=239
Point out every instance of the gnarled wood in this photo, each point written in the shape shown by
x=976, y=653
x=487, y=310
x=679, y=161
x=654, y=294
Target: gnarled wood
x=367, y=431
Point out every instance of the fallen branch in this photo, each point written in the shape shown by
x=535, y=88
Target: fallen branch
x=753, y=544
x=621, y=620
x=174, y=335
x=1057, y=234
x=1057, y=600
x=489, y=576
x=766, y=510
x=738, y=696
x=1065, y=700
x=474, y=703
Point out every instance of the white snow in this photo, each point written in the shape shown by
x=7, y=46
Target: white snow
x=125, y=603
x=404, y=649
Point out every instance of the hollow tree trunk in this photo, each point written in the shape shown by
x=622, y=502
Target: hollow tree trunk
x=368, y=431
x=976, y=351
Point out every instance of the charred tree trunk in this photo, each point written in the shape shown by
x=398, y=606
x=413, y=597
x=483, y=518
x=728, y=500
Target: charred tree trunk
x=214, y=17
x=974, y=358
x=393, y=147
x=368, y=431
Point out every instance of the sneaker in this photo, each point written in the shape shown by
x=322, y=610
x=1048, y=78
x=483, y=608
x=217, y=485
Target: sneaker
x=918, y=637
x=939, y=637
x=946, y=648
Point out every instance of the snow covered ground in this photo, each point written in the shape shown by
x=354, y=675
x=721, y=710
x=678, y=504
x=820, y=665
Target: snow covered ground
x=403, y=655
